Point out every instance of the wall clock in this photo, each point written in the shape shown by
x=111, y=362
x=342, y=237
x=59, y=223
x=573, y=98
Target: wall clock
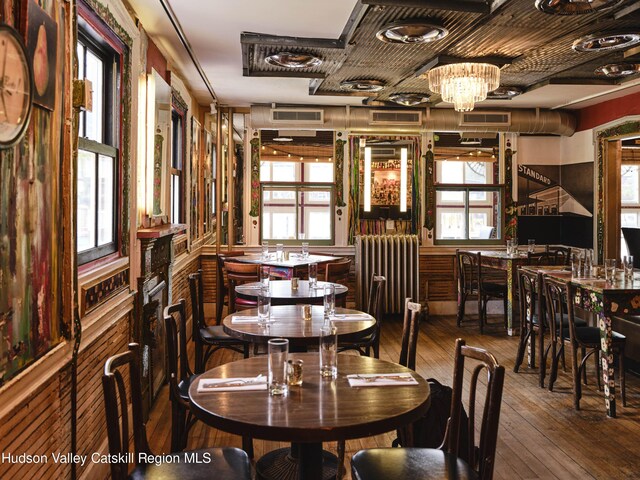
x=16, y=87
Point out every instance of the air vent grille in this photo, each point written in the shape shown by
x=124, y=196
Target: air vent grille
x=383, y=152
x=298, y=116
x=395, y=117
x=486, y=118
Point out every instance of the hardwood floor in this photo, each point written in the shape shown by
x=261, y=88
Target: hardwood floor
x=541, y=436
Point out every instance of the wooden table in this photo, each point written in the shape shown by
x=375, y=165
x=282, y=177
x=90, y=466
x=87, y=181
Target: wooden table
x=282, y=294
x=285, y=268
x=288, y=323
x=499, y=260
x=621, y=297
x=321, y=410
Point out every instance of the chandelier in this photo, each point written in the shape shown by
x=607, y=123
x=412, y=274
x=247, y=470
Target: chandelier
x=463, y=84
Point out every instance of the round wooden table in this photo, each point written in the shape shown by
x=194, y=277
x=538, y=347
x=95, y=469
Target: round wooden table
x=321, y=410
x=282, y=294
x=287, y=322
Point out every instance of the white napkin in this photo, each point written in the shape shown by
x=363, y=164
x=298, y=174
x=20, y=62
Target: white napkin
x=244, y=319
x=232, y=384
x=354, y=317
x=381, y=380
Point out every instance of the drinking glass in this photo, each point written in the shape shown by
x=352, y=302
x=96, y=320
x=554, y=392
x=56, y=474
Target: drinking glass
x=610, y=269
x=628, y=267
x=576, y=265
x=278, y=351
x=279, y=252
x=588, y=263
x=305, y=249
x=264, y=306
x=265, y=250
x=329, y=351
x=265, y=275
x=509, y=247
x=329, y=300
x=313, y=275
x=514, y=247
x=531, y=245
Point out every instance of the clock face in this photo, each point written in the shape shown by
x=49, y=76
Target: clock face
x=15, y=87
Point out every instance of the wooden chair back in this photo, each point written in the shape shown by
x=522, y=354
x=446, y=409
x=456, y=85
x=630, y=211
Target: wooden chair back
x=237, y=274
x=469, y=271
x=528, y=289
x=178, y=368
x=338, y=271
x=557, y=292
x=374, y=308
x=562, y=254
x=410, y=331
x=481, y=456
x=543, y=258
x=222, y=285
x=117, y=412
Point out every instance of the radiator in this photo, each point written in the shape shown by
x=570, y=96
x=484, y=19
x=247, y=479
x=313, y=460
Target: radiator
x=396, y=258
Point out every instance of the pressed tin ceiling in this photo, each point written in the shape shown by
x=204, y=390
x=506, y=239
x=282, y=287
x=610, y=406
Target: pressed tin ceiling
x=230, y=41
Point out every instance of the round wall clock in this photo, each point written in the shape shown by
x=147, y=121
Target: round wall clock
x=16, y=87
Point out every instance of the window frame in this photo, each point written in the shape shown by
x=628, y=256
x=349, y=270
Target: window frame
x=178, y=134
x=96, y=36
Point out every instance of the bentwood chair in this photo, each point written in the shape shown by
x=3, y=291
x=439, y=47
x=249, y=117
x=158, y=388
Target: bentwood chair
x=208, y=338
x=632, y=239
x=585, y=340
x=446, y=463
x=338, y=272
x=562, y=254
x=365, y=344
x=222, y=286
x=238, y=274
x=226, y=463
x=471, y=283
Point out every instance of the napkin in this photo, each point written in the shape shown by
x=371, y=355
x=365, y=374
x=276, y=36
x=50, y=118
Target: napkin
x=354, y=317
x=232, y=384
x=381, y=379
x=244, y=319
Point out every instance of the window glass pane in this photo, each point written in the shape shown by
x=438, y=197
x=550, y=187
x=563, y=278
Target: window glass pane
x=284, y=171
x=479, y=226
x=629, y=185
x=105, y=199
x=95, y=118
x=450, y=224
x=265, y=171
x=318, y=222
x=86, y=200
x=475, y=172
x=175, y=199
x=451, y=172
x=283, y=223
x=450, y=197
x=318, y=172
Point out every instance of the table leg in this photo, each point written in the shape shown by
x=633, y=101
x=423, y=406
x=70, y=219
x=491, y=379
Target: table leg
x=303, y=461
x=310, y=461
x=511, y=288
x=608, y=375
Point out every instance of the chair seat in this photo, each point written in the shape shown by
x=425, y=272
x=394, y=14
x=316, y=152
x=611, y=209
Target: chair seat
x=215, y=333
x=408, y=464
x=218, y=463
x=591, y=335
x=494, y=288
x=183, y=386
x=580, y=322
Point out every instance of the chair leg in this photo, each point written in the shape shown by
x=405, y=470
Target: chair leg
x=462, y=299
x=524, y=336
x=177, y=424
x=340, y=451
x=482, y=311
x=555, y=358
x=583, y=352
x=532, y=349
x=247, y=445
x=246, y=349
x=542, y=358
x=199, y=367
x=575, y=375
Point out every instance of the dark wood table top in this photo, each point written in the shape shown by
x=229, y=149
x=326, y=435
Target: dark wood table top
x=295, y=259
x=595, y=284
x=288, y=323
x=320, y=410
x=281, y=289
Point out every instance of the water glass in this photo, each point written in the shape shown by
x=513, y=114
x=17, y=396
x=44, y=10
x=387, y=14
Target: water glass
x=313, y=275
x=588, y=263
x=628, y=267
x=576, y=265
x=279, y=252
x=329, y=300
x=329, y=351
x=265, y=250
x=265, y=275
x=278, y=353
x=264, y=306
x=531, y=245
x=610, y=270
x=305, y=249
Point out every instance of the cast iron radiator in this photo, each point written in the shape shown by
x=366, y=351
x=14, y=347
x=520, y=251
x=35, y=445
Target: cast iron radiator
x=396, y=258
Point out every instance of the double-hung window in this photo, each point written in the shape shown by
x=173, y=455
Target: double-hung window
x=468, y=203
x=177, y=167
x=98, y=143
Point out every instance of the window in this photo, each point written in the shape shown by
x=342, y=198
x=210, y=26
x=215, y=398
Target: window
x=630, y=201
x=468, y=203
x=297, y=201
x=98, y=156
x=177, y=167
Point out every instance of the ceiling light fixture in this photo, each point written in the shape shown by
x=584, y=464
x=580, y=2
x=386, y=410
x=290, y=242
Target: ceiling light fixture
x=504, y=93
x=464, y=84
x=283, y=139
x=574, y=7
x=617, y=70
x=606, y=41
x=293, y=60
x=470, y=141
x=409, y=99
x=364, y=85
x=412, y=31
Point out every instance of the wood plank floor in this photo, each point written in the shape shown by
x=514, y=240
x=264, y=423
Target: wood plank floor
x=541, y=436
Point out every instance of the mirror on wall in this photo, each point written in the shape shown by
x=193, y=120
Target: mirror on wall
x=160, y=124
x=239, y=133
x=468, y=194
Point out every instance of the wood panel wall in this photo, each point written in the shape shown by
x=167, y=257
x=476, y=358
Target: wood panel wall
x=438, y=277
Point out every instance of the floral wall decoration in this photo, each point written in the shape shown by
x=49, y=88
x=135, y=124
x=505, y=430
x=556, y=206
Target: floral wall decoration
x=339, y=166
x=354, y=188
x=511, y=210
x=255, y=177
x=430, y=189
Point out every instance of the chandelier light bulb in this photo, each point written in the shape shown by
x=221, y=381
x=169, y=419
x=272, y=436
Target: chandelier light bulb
x=464, y=84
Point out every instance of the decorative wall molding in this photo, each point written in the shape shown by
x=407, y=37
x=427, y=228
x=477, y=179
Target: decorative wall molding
x=255, y=177
x=339, y=171
x=96, y=293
